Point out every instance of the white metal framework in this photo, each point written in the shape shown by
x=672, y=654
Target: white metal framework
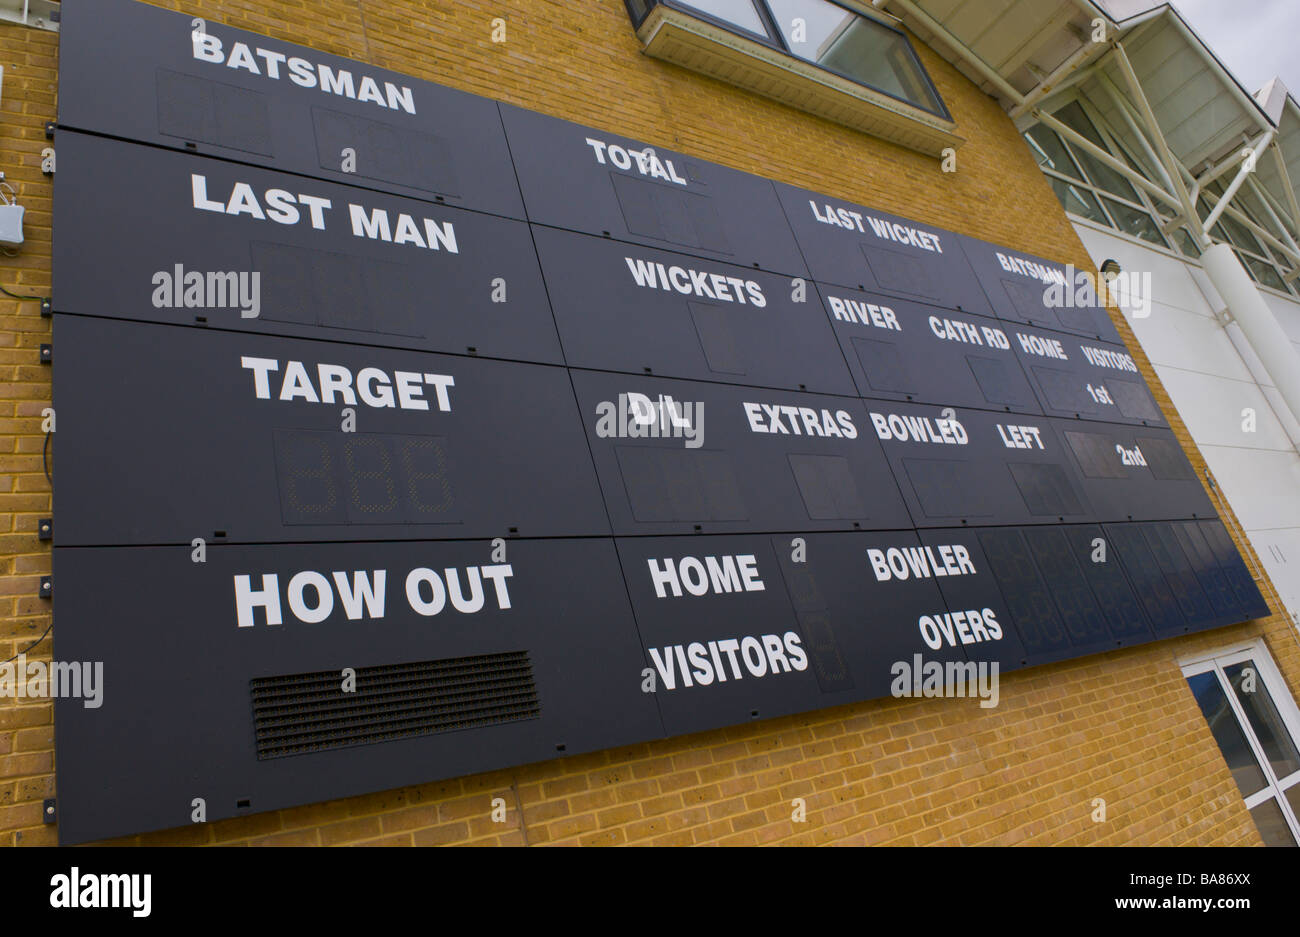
x=1174, y=121
x=1137, y=125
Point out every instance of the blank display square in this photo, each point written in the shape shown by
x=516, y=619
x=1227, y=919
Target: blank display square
x=995, y=380
x=1046, y=489
x=669, y=214
x=1096, y=455
x=384, y=152
x=1133, y=400
x=828, y=488
x=717, y=338
x=680, y=484
x=943, y=487
x=906, y=273
x=884, y=366
x=211, y=112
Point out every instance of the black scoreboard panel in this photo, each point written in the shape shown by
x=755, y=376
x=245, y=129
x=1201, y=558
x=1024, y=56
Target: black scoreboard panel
x=1182, y=575
x=601, y=183
x=369, y=268
x=902, y=350
x=1133, y=473
x=1084, y=378
x=1017, y=287
x=1249, y=603
x=984, y=630
x=1058, y=607
x=721, y=459
x=736, y=628
x=858, y=598
x=703, y=680
x=527, y=414
x=462, y=663
x=857, y=247
x=630, y=308
x=226, y=92
x=978, y=468
x=246, y=434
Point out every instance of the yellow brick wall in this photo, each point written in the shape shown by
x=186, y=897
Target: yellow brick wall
x=1121, y=726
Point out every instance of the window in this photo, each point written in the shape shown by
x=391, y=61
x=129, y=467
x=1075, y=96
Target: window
x=1257, y=725
x=1186, y=243
x=1264, y=265
x=1089, y=188
x=1102, y=175
x=1050, y=152
x=736, y=12
x=825, y=34
x=828, y=35
x=1077, y=200
x=1133, y=221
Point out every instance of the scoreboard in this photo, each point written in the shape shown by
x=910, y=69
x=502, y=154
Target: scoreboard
x=406, y=434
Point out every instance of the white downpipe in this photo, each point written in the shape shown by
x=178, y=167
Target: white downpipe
x=1256, y=321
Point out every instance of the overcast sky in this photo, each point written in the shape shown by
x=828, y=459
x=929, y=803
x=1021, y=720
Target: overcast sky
x=1255, y=39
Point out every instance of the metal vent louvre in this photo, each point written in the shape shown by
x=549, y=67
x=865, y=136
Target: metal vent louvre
x=308, y=712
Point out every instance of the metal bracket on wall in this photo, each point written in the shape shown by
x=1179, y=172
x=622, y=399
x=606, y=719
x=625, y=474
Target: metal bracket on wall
x=49, y=811
x=47, y=587
x=47, y=353
x=45, y=528
x=47, y=307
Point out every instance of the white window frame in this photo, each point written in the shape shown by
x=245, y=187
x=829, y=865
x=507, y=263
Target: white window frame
x=1271, y=678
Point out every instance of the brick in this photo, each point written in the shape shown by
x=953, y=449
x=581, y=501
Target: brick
x=349, y=830
x=441, y=835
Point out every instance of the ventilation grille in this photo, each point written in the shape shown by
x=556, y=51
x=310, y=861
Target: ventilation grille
x=309, y=712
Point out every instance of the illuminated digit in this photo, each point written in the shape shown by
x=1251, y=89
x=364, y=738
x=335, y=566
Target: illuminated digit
x=357, y=475
x=441, y=488
x=825, y=650
x=804, y=592
x=308, y=466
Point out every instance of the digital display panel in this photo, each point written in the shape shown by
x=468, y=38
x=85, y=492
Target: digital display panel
x=897, y=349
x=972, y=467
x=1132, y=474
x=1083, y=378
x=251, y=249
x=634, y=309
x=200, y=86
x=718, y=459
x=860, y=248
x=271, y=439
x=1037, y=292
x=465, y=658
x=555, y=439
x=633, y=190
